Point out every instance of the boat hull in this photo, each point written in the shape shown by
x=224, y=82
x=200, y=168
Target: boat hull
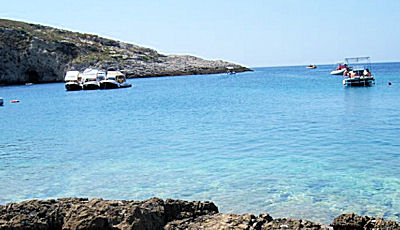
x=91, y=86
x=1, y=101
x=107, y=84
x=125, y=85
x=73, y=86
x=359, y=81
x=338, y=72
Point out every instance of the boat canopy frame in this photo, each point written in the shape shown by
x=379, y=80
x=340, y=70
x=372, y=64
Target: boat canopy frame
x=359, y=63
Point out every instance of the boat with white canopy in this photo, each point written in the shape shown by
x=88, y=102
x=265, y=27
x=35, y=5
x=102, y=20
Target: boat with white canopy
x=73, y=81
x=114, y=79
x=359, y=72
x=89, y=79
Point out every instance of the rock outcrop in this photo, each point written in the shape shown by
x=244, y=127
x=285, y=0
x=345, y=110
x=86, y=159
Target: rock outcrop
x=36, y=53
x=353, y=221
x=155, y=213
x=78, y=213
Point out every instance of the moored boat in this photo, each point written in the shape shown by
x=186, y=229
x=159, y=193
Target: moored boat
x=121, y=79
x=230, y=70
x=359, y=74
x=342, y=66
x=111, y=80
x=73, y=81
x=89, y=79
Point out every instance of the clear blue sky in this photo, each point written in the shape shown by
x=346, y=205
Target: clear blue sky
x=253, y=33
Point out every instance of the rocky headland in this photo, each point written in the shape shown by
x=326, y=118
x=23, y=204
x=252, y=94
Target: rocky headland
x=155, y=213
x=36, y=53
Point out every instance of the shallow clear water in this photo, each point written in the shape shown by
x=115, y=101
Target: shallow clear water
x=284, y=140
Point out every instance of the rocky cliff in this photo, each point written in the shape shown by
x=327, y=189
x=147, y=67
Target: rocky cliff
x=80, y=213
x=36, y=53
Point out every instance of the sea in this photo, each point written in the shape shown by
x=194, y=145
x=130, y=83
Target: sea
x=288, y=141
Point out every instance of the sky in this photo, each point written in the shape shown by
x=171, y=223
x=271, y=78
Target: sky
x=253, y=33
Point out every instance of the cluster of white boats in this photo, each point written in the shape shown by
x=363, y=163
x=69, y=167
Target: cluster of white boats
x=91, y=79
x=356, y=71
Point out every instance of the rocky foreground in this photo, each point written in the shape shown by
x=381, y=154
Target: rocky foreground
x=79, y=213
x=36, y=53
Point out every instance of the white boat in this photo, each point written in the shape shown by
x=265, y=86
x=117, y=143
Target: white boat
x=342, y=66
x=230, y=70
x=1, y=101
x=121, y=79
x=338, y=72
x=89, y=79
x=114, y=79
x=73, y=81
x=360, y=74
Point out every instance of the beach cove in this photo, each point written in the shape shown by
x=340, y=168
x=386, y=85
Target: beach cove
x=279, y=140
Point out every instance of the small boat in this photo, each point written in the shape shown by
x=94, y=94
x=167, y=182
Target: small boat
x=311, y=67
x=111, y=80
x=121, y=79
x=359, y=74
x=338, y=72
x=1, y=101
x=342, y=66
x=230, y=70
x=14, y=101
x=89, y=79
x=73, y=81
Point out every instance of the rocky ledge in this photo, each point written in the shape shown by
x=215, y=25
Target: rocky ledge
x=155, y=213
x=36, y=53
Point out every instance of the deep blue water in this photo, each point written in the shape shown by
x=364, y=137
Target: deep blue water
x=284, y=140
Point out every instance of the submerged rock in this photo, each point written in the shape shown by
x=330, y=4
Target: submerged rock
x=36, y=53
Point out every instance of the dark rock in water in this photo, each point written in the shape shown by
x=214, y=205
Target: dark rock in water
x=35, y=53
x=356, y=222
x=245, y=221
x=77, y=213
x=178, y=209
x=154, y=213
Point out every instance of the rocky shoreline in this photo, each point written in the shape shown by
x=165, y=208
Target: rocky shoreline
x=37, y=54
x=155, y=213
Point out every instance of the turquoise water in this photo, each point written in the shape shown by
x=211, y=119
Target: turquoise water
x=283, y=140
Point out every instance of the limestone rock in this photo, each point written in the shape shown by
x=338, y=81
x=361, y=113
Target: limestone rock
x=356, y=222
x=78, y=213
x=155, y=213
x=242, y=222
x=35, y=53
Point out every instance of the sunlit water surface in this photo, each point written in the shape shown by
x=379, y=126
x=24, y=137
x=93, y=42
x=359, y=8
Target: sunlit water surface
x=288, y=141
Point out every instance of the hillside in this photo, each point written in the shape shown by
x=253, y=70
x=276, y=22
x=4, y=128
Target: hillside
x=36, y=53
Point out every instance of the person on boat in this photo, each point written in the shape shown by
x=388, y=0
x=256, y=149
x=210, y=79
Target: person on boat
x=344, y=66
x=353, y=74
x=367, y=72
x=346, y=72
